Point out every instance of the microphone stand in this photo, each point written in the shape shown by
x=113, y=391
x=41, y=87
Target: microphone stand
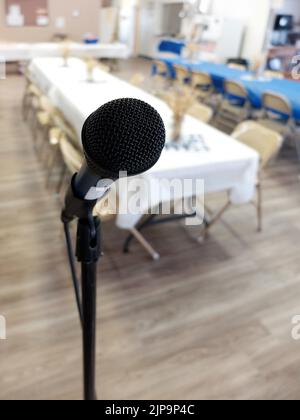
x=88, y=253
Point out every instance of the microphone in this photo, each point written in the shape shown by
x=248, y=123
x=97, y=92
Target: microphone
x=125, y=135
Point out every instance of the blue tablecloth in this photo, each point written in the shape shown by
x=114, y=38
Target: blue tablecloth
x=219, y=73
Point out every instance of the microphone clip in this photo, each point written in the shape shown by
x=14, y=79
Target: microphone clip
x=76, y=207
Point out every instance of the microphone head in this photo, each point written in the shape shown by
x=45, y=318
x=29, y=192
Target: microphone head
x=123, y=135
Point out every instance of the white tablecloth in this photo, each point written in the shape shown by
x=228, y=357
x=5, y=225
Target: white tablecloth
x=226, y=165
x=27, y=51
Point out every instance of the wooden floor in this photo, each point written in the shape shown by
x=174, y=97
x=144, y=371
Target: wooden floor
x=209, y=321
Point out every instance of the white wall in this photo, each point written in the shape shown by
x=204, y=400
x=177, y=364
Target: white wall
x=255, y=14
x=291, y=7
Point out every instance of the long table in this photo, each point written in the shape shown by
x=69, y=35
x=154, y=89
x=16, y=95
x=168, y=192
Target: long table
x=11, y=52
x=225, y=165
x=256, y=88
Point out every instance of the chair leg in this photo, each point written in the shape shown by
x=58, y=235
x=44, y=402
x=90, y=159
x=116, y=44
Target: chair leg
x=35, y=126
x=213, y=221
x=51, y=164
x=25, y=107
x=45, y=144
x=259, y=208
x=61, y=180
x=31, y=113
x=145, y=244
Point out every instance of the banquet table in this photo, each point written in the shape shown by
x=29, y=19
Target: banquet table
x=224, y=165
x=11, y=52
x=220, y=72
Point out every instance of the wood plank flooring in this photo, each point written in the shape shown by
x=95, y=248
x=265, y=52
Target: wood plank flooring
x=209, y=321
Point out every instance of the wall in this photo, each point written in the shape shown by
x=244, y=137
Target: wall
x=255, y=14
x=291, y=7
x=87, y=21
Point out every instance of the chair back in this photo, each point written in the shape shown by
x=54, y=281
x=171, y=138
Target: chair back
x=161, y=68
x=182, y=74
x=235, y=93
x=60, y=122
x=72, y=157
x=201, y=112
x=46, y=105
x=33, y=90
x=201, y=80
x=265, y=141
x=274, y=74
x=277, y=106
x=55, y=134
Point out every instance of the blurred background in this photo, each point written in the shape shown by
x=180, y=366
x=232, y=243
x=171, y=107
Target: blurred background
x=202, y=310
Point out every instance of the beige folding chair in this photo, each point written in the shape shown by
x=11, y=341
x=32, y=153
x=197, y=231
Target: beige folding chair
x=201, y=112
x=267, y=143
x=277, y=114
x=183, y=75
x=61, y=131
x=72, y=159
x=55, y=135
x=161, y=78
x=31, y=100
x=234, y=108
x=161, y=69
x=202, y=84
x=44, y=121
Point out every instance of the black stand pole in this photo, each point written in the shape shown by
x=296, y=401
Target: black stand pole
x=89, y=290
x=88, y=252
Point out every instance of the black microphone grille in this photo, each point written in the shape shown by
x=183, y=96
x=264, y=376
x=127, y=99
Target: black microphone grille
x=123, y=135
